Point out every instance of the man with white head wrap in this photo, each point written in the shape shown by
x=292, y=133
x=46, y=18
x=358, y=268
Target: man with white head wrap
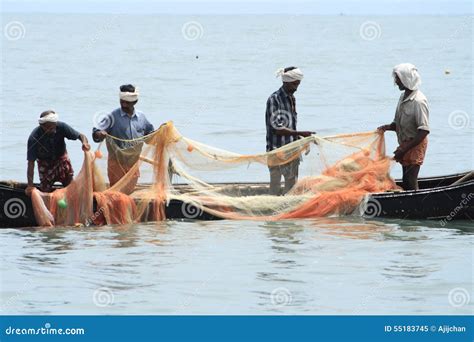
x=411, y=123
x=47, y=147
x=281, y=119
x=125, y=123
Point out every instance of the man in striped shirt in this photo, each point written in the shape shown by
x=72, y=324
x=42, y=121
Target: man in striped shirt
x=281, y=119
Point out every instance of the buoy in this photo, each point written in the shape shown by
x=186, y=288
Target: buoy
x=190, y=148
x=447, y=71
x=98, y=154
x=62, y=203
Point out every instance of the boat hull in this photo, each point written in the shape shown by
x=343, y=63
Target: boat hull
x=437, y=199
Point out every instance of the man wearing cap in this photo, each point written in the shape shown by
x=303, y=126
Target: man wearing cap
x=124, y=123
x=47, y=147
x=410, y=123
x=280, y=120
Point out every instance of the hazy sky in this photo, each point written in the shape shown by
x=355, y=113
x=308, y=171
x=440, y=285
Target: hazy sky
x=348, y=7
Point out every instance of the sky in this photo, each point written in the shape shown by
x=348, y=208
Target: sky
x=321, y=7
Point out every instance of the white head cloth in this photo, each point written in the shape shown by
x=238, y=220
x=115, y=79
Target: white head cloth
x=408, y=74
x=290, y=75
x=51, y=117
x=129, y=96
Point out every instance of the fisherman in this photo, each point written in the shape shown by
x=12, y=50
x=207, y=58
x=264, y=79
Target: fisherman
x=46, y=145
x=410, y=123
x=280, y=119
x=121, y=126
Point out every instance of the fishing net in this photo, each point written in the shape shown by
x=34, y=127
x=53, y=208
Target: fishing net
x=334, y=175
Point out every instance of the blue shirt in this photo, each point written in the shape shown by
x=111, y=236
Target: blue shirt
x=280, y=113
x=50, y=146
x=119, y=124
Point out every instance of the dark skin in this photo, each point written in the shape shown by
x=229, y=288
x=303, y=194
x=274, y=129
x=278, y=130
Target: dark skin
x=127, y=107
x=410, y=172
x=49, y=128
x=291, y=88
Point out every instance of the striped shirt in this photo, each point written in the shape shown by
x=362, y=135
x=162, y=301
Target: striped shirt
x=280, y=113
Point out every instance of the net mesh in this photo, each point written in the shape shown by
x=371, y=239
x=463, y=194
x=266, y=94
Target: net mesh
x=334, y=175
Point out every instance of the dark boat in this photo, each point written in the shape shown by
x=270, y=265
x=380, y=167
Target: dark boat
x=444, y=198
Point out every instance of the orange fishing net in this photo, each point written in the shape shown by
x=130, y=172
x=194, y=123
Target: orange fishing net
x=164, y=168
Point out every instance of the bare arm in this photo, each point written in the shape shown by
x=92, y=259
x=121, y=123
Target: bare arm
x=287, y=131
x=98, y=136
x=85, y=142
x=389, y=127
x=30, y=174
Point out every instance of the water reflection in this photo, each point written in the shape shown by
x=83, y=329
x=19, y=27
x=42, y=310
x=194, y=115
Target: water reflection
x=284, y=267
x=350, y=227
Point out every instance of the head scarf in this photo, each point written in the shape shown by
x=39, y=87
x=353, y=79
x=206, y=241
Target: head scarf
x=129, y=96
x=290, y=75
x=408, y=74
x=51, y=117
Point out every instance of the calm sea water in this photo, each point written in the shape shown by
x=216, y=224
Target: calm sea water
x=212, y=75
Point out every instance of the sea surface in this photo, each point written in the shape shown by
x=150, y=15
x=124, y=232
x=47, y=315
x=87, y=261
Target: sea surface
x=212, y=75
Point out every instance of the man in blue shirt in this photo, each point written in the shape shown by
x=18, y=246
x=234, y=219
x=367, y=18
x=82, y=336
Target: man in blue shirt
x=124, y=123
x=46, y=145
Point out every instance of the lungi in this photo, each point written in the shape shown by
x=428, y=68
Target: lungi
x=51, y=171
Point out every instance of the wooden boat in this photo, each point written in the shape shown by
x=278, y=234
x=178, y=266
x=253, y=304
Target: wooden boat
x=444, y=198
